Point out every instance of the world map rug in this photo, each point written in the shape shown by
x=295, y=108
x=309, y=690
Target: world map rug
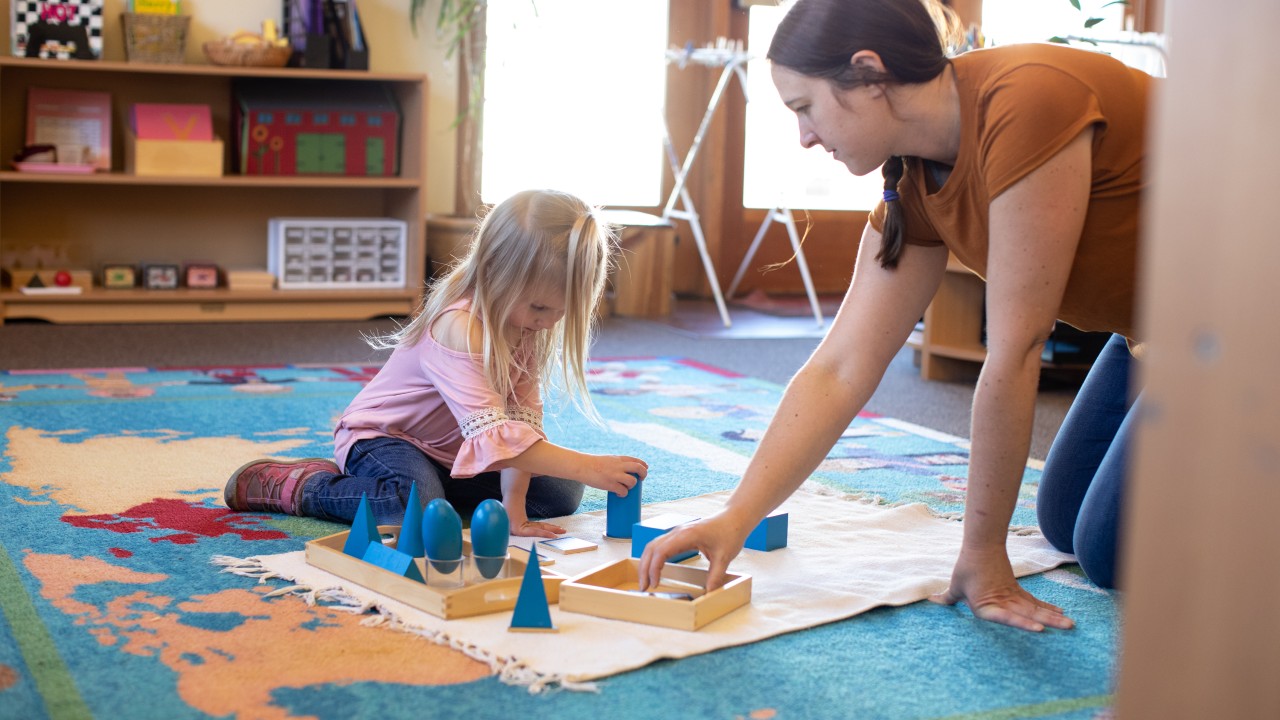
x=110, y=514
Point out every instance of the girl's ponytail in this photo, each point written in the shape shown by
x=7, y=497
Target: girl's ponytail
x=894, y=229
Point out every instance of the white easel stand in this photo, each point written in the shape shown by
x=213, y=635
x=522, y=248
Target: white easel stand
x=784, y=216
x=733, y=59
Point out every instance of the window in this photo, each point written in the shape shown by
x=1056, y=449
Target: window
x=1005, y=22
x=574, y=93
x=779, y=173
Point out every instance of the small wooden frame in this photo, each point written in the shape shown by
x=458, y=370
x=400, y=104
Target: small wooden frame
x=160, y=276
x=611, y=591
x=447, y=603
x=200, y=275
x=118, y=276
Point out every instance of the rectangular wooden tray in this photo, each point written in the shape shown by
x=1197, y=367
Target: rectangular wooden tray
x=609, y=591
x=447, y=603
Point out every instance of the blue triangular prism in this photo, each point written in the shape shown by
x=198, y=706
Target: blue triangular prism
x=532, y=609
x=410, y=542
x=363, y=530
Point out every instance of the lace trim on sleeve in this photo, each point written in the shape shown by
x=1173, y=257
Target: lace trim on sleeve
x=491, y=417
x=529, y=416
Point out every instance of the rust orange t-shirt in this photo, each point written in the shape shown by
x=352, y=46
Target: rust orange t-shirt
x=1019, y=106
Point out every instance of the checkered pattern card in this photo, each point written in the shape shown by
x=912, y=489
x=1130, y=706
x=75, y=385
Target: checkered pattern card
x=58, y=14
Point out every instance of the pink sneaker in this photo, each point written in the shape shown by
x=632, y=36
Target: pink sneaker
x=272, y=485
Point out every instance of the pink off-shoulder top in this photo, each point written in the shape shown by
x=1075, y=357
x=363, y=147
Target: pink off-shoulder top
x=439, y=400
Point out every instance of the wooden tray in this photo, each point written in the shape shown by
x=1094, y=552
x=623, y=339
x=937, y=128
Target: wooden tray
x=478, y=599
x=609, y=591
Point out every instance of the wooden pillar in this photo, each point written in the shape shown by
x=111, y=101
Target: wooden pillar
x=1201, y=568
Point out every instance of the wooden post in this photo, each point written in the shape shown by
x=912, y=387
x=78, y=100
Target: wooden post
x=1201, y=568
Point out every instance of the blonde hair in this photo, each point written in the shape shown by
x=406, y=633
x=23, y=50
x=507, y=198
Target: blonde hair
x=534, y=241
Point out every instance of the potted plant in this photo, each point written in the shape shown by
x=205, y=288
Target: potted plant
x=460, y=23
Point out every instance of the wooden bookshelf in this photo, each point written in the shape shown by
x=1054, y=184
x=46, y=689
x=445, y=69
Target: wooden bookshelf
x=950, y=346
x=115, y=217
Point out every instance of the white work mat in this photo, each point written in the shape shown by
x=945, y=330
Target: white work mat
x=844, y=556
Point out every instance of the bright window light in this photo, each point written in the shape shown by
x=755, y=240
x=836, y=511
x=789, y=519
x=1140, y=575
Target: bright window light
x=779, y=173
x=574, y=91
x=1005, y=22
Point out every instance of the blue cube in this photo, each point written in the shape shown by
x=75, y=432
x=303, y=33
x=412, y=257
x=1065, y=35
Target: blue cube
x=770, y=534
x=646, y=530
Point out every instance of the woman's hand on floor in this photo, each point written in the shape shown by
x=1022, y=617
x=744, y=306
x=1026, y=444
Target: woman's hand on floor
x=984, y=580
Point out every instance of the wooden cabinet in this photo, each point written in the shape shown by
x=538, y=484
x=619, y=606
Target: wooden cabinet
x=119, y=218
x=950, y=346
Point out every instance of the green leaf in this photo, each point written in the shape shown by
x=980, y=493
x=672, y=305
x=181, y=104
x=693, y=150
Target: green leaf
x=1092, y=21
x=1075, y=4
x=1059, y=40
x=1116, y=2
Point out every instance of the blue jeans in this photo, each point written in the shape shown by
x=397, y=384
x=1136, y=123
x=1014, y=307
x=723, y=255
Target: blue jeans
x=386, y=469
x=1082, y=487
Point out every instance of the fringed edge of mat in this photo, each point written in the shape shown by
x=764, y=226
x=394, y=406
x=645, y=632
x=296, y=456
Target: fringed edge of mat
x=510, y=671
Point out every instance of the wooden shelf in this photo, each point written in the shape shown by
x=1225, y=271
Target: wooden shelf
x=255, y=181
x=221, y=305
x=115, y=217
x=950, y=346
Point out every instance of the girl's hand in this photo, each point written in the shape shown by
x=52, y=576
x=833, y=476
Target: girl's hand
x=984, y=580
x=718, y=537
x=614, y=473
x=530, y=528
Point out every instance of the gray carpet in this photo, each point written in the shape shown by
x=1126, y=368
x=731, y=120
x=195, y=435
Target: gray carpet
x=764, y=347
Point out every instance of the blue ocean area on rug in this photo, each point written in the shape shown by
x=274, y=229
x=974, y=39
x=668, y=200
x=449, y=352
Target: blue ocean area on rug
x=111, y=508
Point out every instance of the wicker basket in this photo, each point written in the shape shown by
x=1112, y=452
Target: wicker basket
x=155, y=38
x=223, y=52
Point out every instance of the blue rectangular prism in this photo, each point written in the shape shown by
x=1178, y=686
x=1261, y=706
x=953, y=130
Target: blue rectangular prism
x=770, y=534
x=646, y=530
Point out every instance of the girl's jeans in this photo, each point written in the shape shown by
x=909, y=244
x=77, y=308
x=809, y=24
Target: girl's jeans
x=385, y=469
x=1082, y=487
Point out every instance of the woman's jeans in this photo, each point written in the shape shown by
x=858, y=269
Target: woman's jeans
x=385, y=470
x=1082, y=486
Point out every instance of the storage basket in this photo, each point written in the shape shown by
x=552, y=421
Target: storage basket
x=224, y=52
x=155, y=38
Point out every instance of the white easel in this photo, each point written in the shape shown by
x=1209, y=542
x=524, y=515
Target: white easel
x=733, y=59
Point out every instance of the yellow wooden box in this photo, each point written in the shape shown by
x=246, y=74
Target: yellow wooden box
x=612, y=591
x=173, y=157
x=448, y=603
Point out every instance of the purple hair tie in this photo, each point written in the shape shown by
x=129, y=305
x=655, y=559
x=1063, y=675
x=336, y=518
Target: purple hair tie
x=890, y=195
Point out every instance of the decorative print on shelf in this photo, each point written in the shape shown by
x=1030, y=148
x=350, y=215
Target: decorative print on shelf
x=57, y=29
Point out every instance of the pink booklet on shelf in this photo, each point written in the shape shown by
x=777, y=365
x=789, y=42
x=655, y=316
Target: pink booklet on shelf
x=152, y=121
x=76, y=122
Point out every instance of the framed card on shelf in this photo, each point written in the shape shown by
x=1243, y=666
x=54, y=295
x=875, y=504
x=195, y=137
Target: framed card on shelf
x=76, y=122
x=160, y=277
x=200, y=275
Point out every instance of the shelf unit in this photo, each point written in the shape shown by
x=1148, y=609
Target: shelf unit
x=116, y=217
x=950, y=348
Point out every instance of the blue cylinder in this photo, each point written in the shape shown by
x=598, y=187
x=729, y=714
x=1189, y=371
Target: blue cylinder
x=623, y=512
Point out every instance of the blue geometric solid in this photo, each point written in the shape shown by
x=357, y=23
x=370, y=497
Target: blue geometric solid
x=532, y=612
x=364, y=530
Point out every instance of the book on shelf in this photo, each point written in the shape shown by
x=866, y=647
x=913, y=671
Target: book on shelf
x=250, y=279
x=174, y=121
x=56, y=29
x=76, y=122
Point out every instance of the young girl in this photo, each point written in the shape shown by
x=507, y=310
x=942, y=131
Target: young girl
x=457, y=409
x=1025, y=162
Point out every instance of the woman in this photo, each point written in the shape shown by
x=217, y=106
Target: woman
x=1026, y=162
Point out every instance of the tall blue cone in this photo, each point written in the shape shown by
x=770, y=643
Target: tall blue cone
x=364, y=530
x=532, y=613
x=410, y=542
